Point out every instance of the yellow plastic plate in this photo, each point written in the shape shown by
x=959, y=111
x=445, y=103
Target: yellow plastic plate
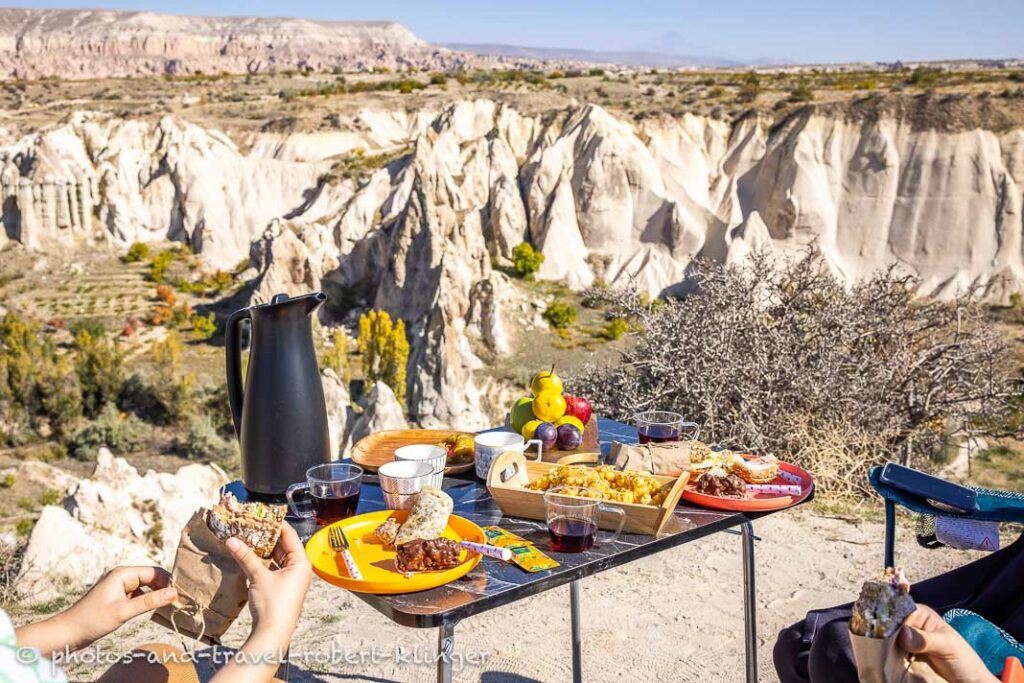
x=377, y=563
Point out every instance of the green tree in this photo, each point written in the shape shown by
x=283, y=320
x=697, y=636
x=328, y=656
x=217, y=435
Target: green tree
x=335, y=357
x=159, y=265
x=526, y=260
x=204, y=326
x=99, y=365
x=37, y=385
x=560, y=314
x=121, y=432
x=136, y=252
x=751, y=88
x=801, y=93
x=924, y=77
x=615, y=328
x=384, y=350
x=61, y=397
x=174, y=390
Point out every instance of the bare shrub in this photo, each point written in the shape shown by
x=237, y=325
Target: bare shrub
x=781, y=357
x=11, y=569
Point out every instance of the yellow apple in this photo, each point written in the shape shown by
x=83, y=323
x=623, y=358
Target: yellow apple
x=549, y=405
x=546, y=380
x=530, y=428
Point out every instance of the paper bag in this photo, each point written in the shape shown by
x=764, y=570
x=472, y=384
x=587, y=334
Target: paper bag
x=212, y=588
x=879, y=660
x=667, y=459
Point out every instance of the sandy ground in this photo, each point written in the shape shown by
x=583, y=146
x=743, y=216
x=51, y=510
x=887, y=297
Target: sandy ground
x=675, y=616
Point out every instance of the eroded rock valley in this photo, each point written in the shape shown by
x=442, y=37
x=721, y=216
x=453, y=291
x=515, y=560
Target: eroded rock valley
x=423, y=233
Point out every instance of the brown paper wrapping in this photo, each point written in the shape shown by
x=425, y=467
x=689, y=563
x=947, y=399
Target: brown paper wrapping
x=667, y=459
x=212, y=588
x=879, y=660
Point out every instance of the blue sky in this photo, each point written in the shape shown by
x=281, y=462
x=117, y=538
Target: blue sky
x=822, y=30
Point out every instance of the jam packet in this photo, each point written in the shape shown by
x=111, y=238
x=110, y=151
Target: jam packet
x=500, y=538
x=532, y=560
x=524, y=554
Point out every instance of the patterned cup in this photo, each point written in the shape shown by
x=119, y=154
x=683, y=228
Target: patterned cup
x=435, y=456
x=403, y=477
x=489, y=445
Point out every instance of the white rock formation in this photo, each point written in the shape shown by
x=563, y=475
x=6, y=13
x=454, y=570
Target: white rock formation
x=102, y=43
x=381, y=411
x=600, y=197
x=41, y=474
x=115, y=516
x=339, y=411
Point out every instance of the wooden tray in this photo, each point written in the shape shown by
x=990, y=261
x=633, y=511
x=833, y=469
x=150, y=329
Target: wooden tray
x=376, y=449
x=511, y=472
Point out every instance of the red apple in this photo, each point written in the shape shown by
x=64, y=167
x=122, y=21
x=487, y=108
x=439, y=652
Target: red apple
x=578, y=407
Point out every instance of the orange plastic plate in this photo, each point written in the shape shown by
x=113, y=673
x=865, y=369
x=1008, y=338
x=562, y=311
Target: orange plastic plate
x=757, y=502
x=377, y=563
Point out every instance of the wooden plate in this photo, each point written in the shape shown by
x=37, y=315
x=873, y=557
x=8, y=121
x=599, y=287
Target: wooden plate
x=377, y=563
x=758, y=502
x=376, y=449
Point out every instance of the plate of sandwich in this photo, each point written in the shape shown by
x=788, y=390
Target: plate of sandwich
x=743, y=482
x=399, y=551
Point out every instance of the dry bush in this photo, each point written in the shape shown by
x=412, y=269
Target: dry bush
x=838, y=455
x=11, y=569
x=781, y=357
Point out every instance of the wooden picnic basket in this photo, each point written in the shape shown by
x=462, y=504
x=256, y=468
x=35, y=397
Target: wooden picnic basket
x=511, y=472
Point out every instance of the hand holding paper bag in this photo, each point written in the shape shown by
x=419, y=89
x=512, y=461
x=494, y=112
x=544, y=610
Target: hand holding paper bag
x=896, y=641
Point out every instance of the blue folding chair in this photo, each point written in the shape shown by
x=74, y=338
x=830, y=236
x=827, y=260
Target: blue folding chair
x=993, y=506
x=997, y=648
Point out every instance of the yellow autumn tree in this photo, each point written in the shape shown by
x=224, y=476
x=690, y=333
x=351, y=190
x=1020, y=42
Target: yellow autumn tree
x=384, y=350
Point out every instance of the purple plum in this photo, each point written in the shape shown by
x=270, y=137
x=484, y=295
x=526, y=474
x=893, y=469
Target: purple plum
x=547, y=434
x=569, y=437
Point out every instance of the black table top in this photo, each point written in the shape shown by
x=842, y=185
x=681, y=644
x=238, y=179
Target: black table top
x=494, y=583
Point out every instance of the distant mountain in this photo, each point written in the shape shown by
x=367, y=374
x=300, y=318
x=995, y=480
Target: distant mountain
x=664, y=60
x=99, y=43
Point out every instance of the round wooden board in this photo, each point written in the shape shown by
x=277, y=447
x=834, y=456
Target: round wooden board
x=376, y=449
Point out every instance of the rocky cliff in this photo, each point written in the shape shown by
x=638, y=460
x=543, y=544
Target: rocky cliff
x=102, y=43
x=411, y=211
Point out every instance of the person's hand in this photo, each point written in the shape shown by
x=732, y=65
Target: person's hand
x=926, y=634
x=113, y=600
x=275, y=601
x=275, y=596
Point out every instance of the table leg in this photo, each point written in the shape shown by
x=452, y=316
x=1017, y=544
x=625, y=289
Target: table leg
x=577, y=653
x=445, y=649
x=749, y=603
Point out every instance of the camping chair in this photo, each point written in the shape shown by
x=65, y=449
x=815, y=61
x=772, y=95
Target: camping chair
x=993, y=506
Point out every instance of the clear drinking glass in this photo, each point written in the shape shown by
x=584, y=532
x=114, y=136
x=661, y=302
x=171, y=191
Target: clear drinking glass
x=573, y=519
x=659, y=426
x=333, y=489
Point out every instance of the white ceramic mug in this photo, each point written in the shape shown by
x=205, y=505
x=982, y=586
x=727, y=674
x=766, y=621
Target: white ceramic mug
x=490, y=445
x=436, y=456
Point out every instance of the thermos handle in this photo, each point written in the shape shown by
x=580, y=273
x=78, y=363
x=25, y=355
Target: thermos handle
x=233, y=362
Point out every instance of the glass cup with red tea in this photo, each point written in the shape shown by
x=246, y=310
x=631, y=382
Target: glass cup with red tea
x=660, y=426
x=333, y=491
x=573, y=516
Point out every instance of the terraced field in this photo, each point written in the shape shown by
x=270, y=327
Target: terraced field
x=91, y=286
